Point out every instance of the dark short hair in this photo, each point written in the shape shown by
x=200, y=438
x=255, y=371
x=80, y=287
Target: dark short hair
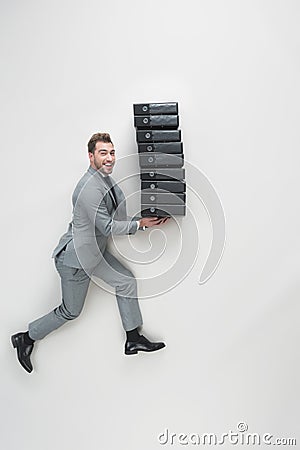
x=98, y=137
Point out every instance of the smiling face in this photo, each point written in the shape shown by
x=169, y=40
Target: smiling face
x=103, y=158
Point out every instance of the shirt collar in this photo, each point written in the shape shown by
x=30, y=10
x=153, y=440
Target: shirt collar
x=92, y=171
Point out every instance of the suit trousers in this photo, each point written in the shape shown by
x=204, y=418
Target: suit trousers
x=74, y=286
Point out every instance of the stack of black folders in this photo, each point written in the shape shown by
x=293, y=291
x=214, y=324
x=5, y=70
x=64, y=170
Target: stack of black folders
x=161, y=159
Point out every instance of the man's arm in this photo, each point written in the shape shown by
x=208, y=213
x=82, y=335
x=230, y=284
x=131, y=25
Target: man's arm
x=99, y=215
x=105, y=223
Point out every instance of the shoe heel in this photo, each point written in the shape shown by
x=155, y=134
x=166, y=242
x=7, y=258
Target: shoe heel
x=14, y=341
x=131, y=352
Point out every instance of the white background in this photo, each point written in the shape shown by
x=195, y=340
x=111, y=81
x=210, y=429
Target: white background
x=71, y=68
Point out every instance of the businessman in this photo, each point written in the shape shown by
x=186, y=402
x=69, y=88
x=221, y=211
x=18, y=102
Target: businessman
x=99, y=210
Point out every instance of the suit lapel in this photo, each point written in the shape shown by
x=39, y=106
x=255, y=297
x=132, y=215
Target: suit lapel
x=108, y=181
x=108, y=184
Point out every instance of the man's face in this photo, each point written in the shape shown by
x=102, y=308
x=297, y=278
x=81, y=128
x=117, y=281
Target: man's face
x=104, y=157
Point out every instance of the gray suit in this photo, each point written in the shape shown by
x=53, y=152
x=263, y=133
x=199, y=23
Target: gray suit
x=81, y=253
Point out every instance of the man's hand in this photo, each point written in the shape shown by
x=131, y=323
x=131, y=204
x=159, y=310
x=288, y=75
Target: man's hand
x=152, y=221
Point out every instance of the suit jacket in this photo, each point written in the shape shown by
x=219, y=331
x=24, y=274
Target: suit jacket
x=95, y=217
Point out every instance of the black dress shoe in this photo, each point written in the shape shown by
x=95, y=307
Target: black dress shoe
x=142, y=345
x=23, y=351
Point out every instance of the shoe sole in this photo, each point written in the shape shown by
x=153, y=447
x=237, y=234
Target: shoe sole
x=134, y=352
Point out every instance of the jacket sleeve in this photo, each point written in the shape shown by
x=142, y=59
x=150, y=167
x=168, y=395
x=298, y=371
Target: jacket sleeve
x=102, y=219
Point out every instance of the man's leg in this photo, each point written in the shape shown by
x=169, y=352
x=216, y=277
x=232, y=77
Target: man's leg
x=74, y=286
x=122, y=279
x=116, y=275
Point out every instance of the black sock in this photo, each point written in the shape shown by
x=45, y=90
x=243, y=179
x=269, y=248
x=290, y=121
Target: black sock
x=27, y=339
x=133, y=335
